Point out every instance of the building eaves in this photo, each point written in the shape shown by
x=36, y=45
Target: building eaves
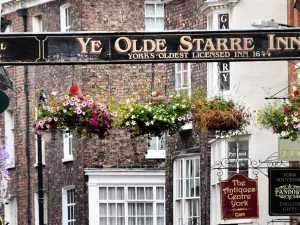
x=209, y=6
x=9, y=6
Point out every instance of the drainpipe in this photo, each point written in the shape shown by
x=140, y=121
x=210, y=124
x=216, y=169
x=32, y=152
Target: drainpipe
x=23, y=13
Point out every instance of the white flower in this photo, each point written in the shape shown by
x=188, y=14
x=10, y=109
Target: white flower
x=131, y=109
x=53, y=93
x=154, y=117
x=142, y=111
x=153, y=93
x=133, y=116
x=133, y=122
x=152, y=122
x=127, y=101
x=183, y=106
x=127, y=123
x=147, y=123
x=174, y=107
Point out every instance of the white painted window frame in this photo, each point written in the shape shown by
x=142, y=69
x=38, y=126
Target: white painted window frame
x=153, y=152
x=9, y=133
x=180, y=73
x=63, y=21
x=65, y=204
x=11, y=210
x=68, y=147
x=37, y=23
x=118, y=178
x=181, y=201
x=36, y=208
x=155, y=3
x=219, y=151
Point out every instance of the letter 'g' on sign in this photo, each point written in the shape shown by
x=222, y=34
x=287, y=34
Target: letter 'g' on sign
x=4, y=101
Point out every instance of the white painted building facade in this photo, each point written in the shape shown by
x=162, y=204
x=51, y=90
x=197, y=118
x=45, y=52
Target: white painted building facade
x=248, y=83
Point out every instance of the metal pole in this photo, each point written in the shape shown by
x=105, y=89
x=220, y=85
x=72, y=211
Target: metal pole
x=40, y=180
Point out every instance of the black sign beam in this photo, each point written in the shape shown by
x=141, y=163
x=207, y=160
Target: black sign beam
x=149, y=47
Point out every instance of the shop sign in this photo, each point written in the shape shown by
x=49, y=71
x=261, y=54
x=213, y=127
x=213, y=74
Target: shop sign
x=151, y=47
x=289, y=150
x=239, y=198
x=4, y=101
x=284, y=191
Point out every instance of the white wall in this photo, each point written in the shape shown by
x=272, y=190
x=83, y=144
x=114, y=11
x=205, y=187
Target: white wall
x=251, y=82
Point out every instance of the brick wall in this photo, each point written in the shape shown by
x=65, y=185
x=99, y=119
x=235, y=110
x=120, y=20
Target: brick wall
x=184, y=15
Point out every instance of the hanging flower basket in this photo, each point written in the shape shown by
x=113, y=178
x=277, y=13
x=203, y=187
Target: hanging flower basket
x=219, y=116
x=155, y=114
x=74, y=111
x=282, y=118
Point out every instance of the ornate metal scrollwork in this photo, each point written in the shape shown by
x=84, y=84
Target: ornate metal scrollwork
x=246, y=164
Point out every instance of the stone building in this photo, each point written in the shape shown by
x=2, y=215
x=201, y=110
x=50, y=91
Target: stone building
x=118, y=180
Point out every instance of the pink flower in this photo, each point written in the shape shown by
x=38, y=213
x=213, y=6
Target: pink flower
x=41, y=123
x=296, y=113
x=55, y=119
x=114, y=113
x=126, y=116
x=166, y=101
x=146, y=101
x=49, y=119
x=193, y=106
x=285, y=108
x=179, y=118
x=90, y=101
x=39, y=131
x=83, y=104
x=79, y=111
x=48, y=126
x=155, y=100
x=66, y=96
x=94, y=107
x=64, y=110
x=295, y=126
x=73, y=99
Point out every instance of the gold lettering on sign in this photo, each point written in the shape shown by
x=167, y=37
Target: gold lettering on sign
x=95, y=46
x=3, y=46
x=143, y=46
x=218, y=44
x=285, y=43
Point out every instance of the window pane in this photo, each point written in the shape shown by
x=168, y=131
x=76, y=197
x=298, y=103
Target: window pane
x=243, y=149
x=131, y=193
x=187, y=192
x=121, y=221
x=111, y=221
x=140, y=193
x=149, y=221
x=160, y=23
x=103, y=209
x=185, y=79
x=149, y=209
x=131, y=209
x=192, y=187
x=185, y=66
x=111, y=193
x=178, y=80
x=160, y=221
x=103, y=221
x=121, y=209
x=159, y=10
x=192, y=169
x=102, y=193
x=150, y=10
x=120, y=193
x=187, y=169
x=149, y=193
x=197, y=168
x=131, y=221
x=140, y=221
x=197, y=187
x=111, y=209
x=140, y=209
x=232, y=150
x=149, y=23
x=161, y=143
x=178, y=67
x=160, y=195
x=160, y=209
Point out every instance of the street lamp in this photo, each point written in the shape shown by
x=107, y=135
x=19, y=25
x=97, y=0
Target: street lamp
x=268, y=24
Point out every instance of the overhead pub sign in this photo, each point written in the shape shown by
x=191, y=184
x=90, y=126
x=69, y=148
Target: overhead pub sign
x=284, y=191
x=239, y=197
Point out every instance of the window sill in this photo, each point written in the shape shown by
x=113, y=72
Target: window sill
x=241, y=221
x=10, y=166
x=67, y=159
x=36, y=165
x=187, y=126
x=156, y=154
